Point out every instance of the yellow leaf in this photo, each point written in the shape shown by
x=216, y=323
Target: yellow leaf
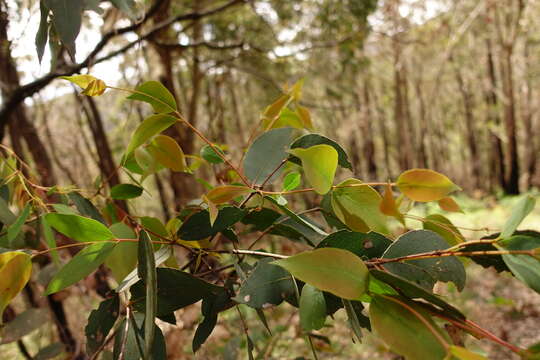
x=388, y=205
x=319, y=163
x=273, y=110
x=305, y=116
x=212, y=210
x=425, y=185
x=15, y=270
x=449, y=204
x=224, y=194
x=91, y=85
x=168, y=153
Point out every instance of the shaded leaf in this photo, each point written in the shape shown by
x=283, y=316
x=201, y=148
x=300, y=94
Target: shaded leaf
x=266, y=285
x=126, y=191
x=160, y=257
x=155, y=94
x=463, y=354
x=208, y=154
x=198, y=227
x=265, y=154
x=80, y=266
x=337, y=271
x=146, y=269
x=367, y=246
x=486, y=260
x=100, y=323
x=310, y=140
x=134, y=337
x=524, y=267
x=444, y=227
x=14, y=229
x=66, y=19
x=168, y=153
x=357, y=320
x=420, y=241
x=85, y=207
x=24, y=324
x=312, y=308
x=43, y=31
x=211, y=306
x=128, y=7
x=319, y=163
x=425, y=185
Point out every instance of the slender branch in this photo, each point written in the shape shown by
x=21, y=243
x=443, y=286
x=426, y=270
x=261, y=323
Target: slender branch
x=333, y=187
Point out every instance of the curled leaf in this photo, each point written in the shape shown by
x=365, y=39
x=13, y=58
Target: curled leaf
x=91, y=85
x=15, y=270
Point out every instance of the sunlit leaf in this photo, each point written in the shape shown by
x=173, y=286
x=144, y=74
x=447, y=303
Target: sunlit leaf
x=91, y=85
x=157, y=95
x=358, y=206
x=291, y=181
x=463, y=354
x=310, y=140
x=95, y=88
x=337, y=271
x=425, y=185
x=519, y=212
x=407, y=329
x=15, y=270
x=449, y=204
x=444, y=227
x=168, y=153
x=151, y=126
x=224, y=194
x=79, y=228
x=209, y=154
x=123, y=258
x=319, y=163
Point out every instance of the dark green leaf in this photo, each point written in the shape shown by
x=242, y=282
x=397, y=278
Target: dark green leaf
x=175, y=289
x=486, y=260
x=260, y=218
x=147, y=272
x=420, y=241
x=367, y=246
x=265, y=155
x=80, y=266
x=126, y=191
x=357, y=320
x=211, y=306
x=413, y=291
x=85, y=207
x=24, y=324
x=155, y=94
x=123, y=259
x=524, y=267
x=100, y=323
x=135, y=336
x=79, y=228
x=128, y=7
x=50, y=239
x=267, y=285
x=312, y=308
x=296, y=218
x=43, y=31
x=208, y=154
x=67, y=15
x=160, y=257
x=198, y=227
x=316, y=139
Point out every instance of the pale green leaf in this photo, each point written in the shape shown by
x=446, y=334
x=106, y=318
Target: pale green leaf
x=319, y=163
x=425, y=185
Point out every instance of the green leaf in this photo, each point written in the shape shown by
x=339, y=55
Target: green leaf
x=208, y=154
x=126, y=191
x=319, y=163
x=441, y=268
x=425, y=185
x=50, y=239
x=85, y=207
x=519, y=212
x=147, y=272
x=407, y=329
x=444, y=227
x=310, y=140
x=127, y=343
x=198, y=227
x=358, y=206
x=43, y=30
x=15, y=270
x=413, y=291
x=100, y=323
x=485, y=260
x=211, y=306
x=265, y=155
x=6, y=215
x=160, y=257
x=291, y=181
x=175, y=290
x=123, y=259
x=312, y=308
x=24, y=324
x=524, y=267
x=463, y=354
x=16, y=227
x=79, y=228
x=150, y=126
x=168, y=153
x=266, y=285
x=366, y=246
x=128, y=7
x=157, y=95
x=80, y=266
x=357, y=320
x=337, y=271
x=66, y=18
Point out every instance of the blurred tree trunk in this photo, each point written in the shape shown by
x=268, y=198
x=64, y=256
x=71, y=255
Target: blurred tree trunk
x=528, y=121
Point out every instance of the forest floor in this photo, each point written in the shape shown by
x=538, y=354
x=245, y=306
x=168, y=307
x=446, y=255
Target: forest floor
x=497, y=302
